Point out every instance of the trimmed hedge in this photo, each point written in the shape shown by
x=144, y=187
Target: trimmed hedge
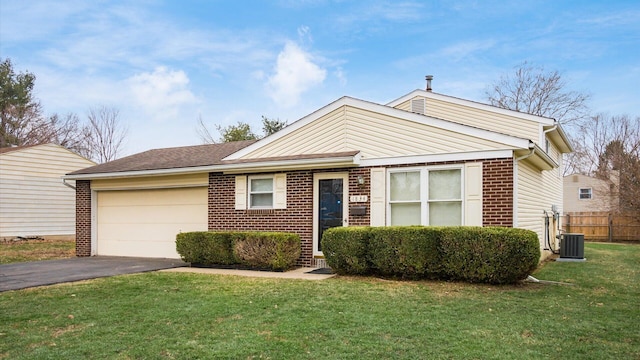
x=493, y=255
x=207, y=248
x=408, y=252
x=346, y=249
x=277, y=251
x=272, y=250
x=488, y=255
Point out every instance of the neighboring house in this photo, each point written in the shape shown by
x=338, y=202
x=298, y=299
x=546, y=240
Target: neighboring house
x=33, y=199
x=424, y=158
x=584, y=193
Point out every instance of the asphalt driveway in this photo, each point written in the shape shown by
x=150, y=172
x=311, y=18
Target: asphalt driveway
x=38, y=273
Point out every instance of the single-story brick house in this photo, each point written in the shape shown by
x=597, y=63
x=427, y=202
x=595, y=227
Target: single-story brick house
x=424, y=158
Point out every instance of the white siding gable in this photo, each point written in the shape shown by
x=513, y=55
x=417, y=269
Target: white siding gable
x=33, y=199
x=377, y=131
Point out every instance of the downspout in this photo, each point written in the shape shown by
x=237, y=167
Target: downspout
x=544, y=133
x=532, y=148
x=64, y=181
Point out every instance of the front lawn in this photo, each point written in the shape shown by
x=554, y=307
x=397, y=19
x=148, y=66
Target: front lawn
x=35, y=250
x=166, y=315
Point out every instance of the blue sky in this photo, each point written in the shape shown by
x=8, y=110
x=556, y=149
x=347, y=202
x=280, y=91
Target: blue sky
x=164, y=64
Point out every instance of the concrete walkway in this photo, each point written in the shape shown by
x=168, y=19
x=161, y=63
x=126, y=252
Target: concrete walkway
x=300, y=273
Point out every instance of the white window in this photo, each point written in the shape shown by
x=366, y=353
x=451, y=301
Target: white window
x=405, y=200
x=425, y=196
x=445, y=197
x=261, y=192
x=585, y=193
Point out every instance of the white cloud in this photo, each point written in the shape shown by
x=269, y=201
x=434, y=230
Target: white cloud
x=341, y=76
x=162, y=93
x=304, y=34
x=295, y=73
x=463, y=50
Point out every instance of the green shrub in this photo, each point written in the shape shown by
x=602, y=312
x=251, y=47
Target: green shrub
x=346, y=250
x=488, y=255
x=276, y=251
x=206, y=248
x=408, y=252
x=473, y=254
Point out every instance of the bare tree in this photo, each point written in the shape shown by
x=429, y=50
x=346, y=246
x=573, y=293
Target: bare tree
x=533, y=90
x=204, y=133
x=103, y=134
x=608, y=147
x=67, y=131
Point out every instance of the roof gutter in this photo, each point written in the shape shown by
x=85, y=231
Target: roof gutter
x=560, y=133
x=238, y=167
x=64, y=181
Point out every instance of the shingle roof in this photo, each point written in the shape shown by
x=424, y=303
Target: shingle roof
x=169, y=158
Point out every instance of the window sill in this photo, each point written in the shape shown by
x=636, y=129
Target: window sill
x=260, y=211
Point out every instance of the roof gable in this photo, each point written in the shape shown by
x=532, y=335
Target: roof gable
x=377, y=131
x=486, y=116
x=39, y=150
x=473, y=104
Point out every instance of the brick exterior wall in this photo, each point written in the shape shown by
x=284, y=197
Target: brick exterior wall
x=298, y=216
x=497, y=192
x=83, y=218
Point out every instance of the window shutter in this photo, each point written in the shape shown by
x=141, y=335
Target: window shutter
x=473, y=194
x=378, y=201
x=241, y=192
x=280, y=191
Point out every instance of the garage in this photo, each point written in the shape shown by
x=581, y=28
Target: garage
x=144, y=223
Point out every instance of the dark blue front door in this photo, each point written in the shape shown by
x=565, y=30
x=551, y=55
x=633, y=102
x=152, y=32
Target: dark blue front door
x=331, y=205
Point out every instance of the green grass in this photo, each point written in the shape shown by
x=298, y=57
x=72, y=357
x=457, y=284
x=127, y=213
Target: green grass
x=35, y=250
x=189, y=316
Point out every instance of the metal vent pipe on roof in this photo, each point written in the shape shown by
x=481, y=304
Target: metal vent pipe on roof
x=429, y=78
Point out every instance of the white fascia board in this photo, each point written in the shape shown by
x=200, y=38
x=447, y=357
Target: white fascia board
x=539, y=158
x=561, y=136
x=278, y=165
x=472, y=104
x=419, y=159
x=545, y=157
x=389, y=111
x=320, y=163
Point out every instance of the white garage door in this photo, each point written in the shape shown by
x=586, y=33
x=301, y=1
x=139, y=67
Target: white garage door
x=144, y=223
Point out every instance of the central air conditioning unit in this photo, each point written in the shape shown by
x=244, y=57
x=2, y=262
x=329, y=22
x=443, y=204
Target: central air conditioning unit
x=572, y=247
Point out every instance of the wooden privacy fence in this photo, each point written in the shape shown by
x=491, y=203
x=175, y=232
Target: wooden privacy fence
x=604, y=226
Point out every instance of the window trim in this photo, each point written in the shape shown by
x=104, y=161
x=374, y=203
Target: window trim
x=424, y=190
x=250, y=192
x=590, y=193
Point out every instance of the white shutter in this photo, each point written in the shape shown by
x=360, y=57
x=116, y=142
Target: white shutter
x=241, y=192
x=378, y=198
x=280, y=191
x=473, y=194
